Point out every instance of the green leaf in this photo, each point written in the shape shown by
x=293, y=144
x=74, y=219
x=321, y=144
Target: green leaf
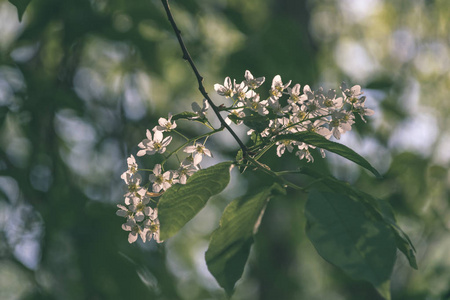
x=187, y=115
x=347, y=234
x=21, y=7
x=378, y=206
x=182, y=202
x=317, y=140
x=184, y=115
x=255, y=121
x=402, y=240
x=230, y=243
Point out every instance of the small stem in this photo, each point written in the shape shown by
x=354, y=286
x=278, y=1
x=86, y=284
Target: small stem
x=273, y=174
x=180, y=134
x=187, y=57
x=264, y=150
x=289, y=172
x=189, y=141
x=146, y=170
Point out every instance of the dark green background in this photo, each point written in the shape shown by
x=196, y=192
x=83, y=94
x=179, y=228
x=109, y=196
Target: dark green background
x=81, y=81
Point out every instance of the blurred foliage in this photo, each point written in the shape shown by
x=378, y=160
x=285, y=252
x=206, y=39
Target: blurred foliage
x=81, y=81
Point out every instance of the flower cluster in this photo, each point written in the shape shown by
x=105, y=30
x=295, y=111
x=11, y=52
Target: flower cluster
x=139, y=208
x=287, y=110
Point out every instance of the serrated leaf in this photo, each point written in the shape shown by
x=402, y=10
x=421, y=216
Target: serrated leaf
x=230, y=243
x=21, y=7
x=348, y=235
x=317, y=140
x=181, y=203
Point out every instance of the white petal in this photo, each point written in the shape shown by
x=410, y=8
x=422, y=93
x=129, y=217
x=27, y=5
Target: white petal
x=141, y=152
x=248, y=75
x=149, y=134
x=157, y=169
x=166, y=141
x=132, y=237
x=158, y=136
x=189, y=149
x=197, y=158
x=207, y=152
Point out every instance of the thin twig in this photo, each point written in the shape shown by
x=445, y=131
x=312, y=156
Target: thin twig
x=187, y=57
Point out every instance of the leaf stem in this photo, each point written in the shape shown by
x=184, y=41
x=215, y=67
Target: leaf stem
x=273, y=174
x=180, y=134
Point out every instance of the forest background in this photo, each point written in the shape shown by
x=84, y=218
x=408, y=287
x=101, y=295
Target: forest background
x=81, y=81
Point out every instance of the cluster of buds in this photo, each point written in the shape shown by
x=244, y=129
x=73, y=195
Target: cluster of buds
x=325, y=113
x=139, y=208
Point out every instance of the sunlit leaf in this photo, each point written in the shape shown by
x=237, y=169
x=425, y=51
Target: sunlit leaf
x=230, y=243
x=187, y=115
x=184, y=115
x=348, y=235
x=181, y=203
x=317, y=140
x=21, y=6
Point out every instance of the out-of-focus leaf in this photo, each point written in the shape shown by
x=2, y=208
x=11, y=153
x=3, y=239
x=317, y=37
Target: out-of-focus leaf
x=230, y=243
x=317, y=140
x=181, y=203
x=21, y=6
x=348, y=235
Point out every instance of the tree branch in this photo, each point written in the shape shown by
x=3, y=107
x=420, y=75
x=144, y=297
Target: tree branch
x=187, y=57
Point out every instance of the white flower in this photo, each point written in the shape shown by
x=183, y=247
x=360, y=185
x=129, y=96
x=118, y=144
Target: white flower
x=255, y=104
x=139, y=208
x=294, y=94
x=330, y=101
x=351, y=94
x=185, y=171
x=132, y=167
x=135, y=230
x=161, y=181
x=314, y=108
x=134, y=188
x=238, y=112
x=363, y=111
x=124, y=211
x=226, y=89
x=251, y=82
x=318, y=127
x=278, y=87
x=304, y=153
x=240, y=90
x=274, y=128
x=307, y=95
x=341, y=122
x=165, y=125
x=152, y=226
x=283, y=145
x=200, y=111
x=153, y=145
x=197, y=150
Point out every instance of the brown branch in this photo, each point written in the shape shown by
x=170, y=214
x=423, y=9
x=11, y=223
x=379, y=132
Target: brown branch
x=187, y=57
